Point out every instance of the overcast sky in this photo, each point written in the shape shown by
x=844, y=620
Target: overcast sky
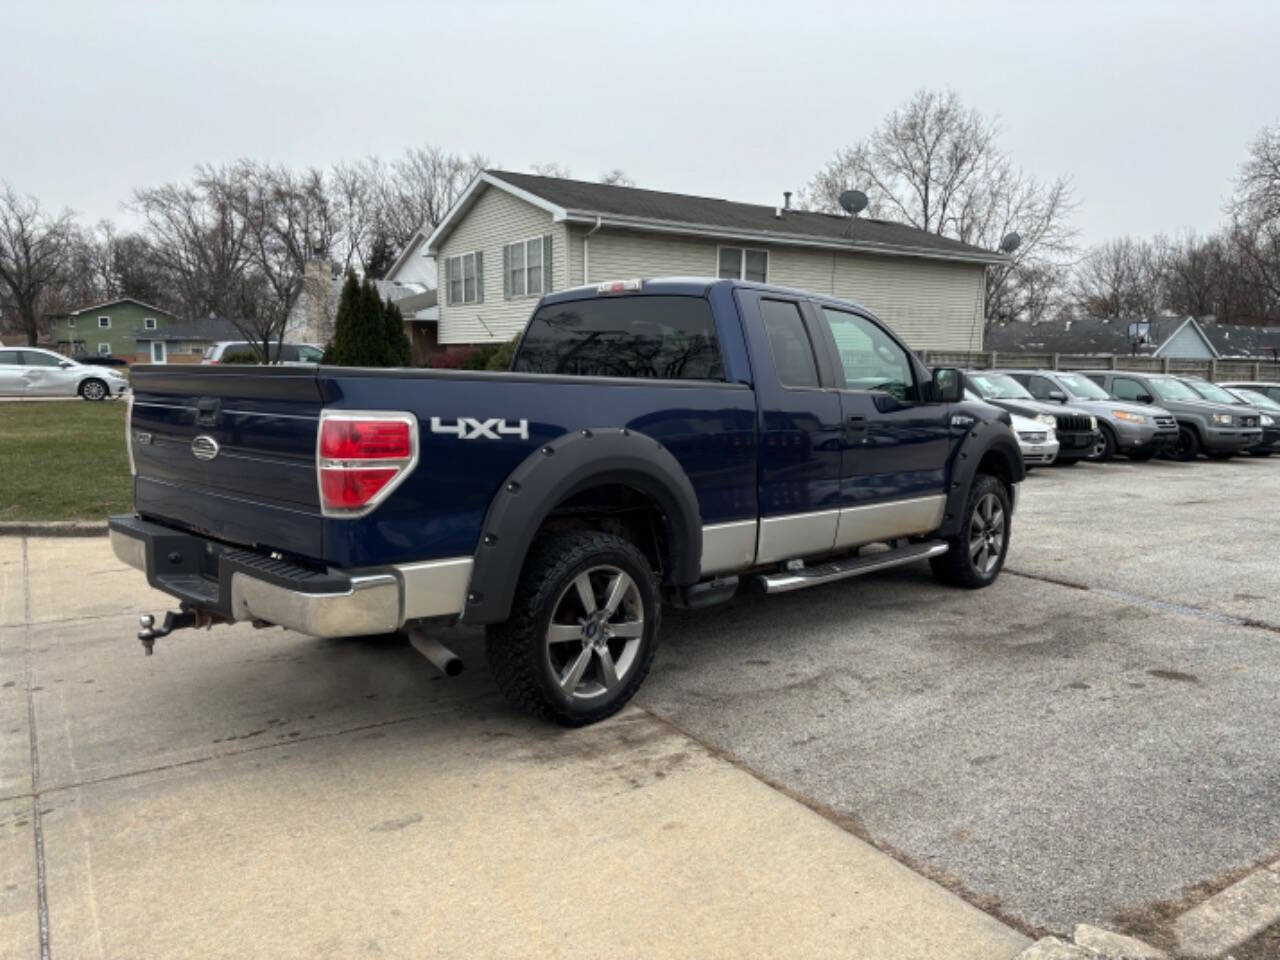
x=1148, y=106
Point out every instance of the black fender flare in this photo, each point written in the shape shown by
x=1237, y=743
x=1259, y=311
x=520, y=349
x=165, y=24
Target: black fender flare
x=571, y=463
x=983, y=438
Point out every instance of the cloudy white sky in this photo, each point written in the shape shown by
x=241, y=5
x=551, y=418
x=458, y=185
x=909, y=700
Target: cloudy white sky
x=1148, y=106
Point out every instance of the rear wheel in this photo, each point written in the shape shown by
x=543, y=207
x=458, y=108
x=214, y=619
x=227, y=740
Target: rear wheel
x=1188, y=445
x=976, y=554
x=93, y=389
x=583, y=629
x=1105, y=448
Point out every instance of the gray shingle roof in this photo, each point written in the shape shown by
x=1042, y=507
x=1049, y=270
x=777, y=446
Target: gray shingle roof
x=1237, y=340
x=1078, y=336
x=208, y=328
x=676, y=209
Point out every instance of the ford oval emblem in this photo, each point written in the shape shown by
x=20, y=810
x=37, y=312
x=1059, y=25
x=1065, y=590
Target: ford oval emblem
x=204, y=447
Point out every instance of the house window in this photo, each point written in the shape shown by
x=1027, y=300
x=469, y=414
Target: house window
x=104, y=349
x=197, y=350
x=524, y=263
x=71, y=323
x=149, y=323
x=741, y=263
x=464, y=278
x=104, y=323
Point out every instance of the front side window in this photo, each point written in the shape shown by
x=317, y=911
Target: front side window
x=1127, y=389
x=646, y=336
x=740, y=263
x=1039, y=387
x=523, y=268
x=104, y=323
x=464, y=278
x=789, y=343
x=872, y=360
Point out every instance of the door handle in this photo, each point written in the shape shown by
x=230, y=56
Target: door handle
x=855, y=428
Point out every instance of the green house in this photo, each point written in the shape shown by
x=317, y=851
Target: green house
x=112, y=329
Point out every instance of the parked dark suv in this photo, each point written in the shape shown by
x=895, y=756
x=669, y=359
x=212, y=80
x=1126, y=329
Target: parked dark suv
x=1077, y=430
x=1219, y=430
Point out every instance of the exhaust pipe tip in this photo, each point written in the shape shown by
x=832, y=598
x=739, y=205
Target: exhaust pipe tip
x=437, y=654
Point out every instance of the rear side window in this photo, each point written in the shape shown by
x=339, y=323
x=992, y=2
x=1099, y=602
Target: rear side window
x=789, y=343
x=9, y=357
x=646, y=336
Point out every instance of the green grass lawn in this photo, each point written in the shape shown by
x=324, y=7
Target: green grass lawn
x=63, y=461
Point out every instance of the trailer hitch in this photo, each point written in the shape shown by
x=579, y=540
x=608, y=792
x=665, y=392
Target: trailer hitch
x=181, y=619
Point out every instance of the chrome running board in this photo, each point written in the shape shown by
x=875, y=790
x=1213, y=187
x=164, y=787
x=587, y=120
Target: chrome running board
x=834, y=570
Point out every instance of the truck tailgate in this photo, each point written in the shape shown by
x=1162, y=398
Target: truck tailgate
x=229, y=452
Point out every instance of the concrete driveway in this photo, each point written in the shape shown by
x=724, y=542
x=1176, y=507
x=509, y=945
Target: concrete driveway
x=260, y=794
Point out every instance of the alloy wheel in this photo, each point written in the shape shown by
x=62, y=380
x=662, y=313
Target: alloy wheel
x=595, y=632
x=93, y=390
x=986, y=533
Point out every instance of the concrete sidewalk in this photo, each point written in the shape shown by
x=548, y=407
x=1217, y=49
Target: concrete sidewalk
x=257, y=793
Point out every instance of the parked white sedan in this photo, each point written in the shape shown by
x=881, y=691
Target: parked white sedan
x=32, y=372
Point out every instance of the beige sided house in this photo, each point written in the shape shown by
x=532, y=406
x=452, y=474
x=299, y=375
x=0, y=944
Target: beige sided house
x=513, y=236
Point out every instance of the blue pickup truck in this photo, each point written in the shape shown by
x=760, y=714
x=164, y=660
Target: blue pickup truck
x=658, y=441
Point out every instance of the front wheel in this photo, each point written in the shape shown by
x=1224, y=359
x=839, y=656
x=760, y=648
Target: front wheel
x=93, y=390
x=1105, y=448
x=1188, y=446
x=976, y=554
x=583, y=629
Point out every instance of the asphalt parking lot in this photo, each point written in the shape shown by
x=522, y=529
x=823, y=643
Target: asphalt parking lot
x=1091, y=736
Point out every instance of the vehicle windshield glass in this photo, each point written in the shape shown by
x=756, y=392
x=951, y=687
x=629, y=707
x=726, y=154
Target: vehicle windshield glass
x=1173, y=390
x=1256, y=399
x=668, y=337
x=997, y=386
x=1211, y=391
x=1081, y=387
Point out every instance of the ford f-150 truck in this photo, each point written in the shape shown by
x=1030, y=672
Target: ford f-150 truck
x=656, y=441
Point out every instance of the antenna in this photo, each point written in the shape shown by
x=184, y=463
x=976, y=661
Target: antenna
x=853, y=202
x=1010, y=243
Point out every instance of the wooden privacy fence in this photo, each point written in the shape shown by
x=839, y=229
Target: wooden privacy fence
x=1234, y=369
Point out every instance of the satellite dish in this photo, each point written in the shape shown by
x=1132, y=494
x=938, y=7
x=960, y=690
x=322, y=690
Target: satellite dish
x=1010, y=243
x=853, y=201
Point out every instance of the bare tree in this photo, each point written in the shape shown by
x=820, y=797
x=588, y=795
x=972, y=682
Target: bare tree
x=1120, y=278
x=1254, y=233
x=551, y=170
x=416, y=190
x=616, y=177
x=938, y=166
x=34, y=246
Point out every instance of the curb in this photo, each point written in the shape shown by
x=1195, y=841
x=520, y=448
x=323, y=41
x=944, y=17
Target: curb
x=53, y=528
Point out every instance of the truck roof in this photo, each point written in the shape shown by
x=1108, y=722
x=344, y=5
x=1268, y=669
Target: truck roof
x=686, y=287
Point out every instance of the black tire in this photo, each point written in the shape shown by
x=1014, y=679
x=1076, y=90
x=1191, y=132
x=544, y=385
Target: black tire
x=94, y=389
x=1188, y=446
x=1141, y=456
x=519, y=650
x=1106, y=448
x=957, y=567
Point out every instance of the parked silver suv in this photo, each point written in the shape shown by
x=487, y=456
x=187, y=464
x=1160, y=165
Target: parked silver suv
x=1138, y=431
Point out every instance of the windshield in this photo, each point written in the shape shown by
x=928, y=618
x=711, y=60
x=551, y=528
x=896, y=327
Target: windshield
x=1082, y=388
x=997, y=386
x=1256, y=399
x=1211, y=391
x=1173, y=390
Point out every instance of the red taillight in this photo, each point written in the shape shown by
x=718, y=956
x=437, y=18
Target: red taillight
x=362, y=458
x=365, y=440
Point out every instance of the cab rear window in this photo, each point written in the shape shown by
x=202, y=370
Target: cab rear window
x=648, y=337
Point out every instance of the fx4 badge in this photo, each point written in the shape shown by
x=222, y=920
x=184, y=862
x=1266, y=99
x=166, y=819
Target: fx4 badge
x=960, y=420
x=465, y=428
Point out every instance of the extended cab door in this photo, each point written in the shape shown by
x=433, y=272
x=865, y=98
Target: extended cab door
x=800, y=429
x=896, y=442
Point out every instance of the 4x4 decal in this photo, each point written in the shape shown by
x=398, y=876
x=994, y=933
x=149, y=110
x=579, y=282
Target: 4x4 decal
x=467, y=428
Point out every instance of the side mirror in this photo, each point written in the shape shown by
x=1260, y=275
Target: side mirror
x=1057, y=396
x=65, y=364
x=1146, y=398
x=948, y=385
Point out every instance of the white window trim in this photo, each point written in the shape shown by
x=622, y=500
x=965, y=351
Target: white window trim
x=71, y=323
x=148, y=323
x=742, y=261
x=506, y=258
x=448, y=294
x=102, y=352
x=104, y=326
